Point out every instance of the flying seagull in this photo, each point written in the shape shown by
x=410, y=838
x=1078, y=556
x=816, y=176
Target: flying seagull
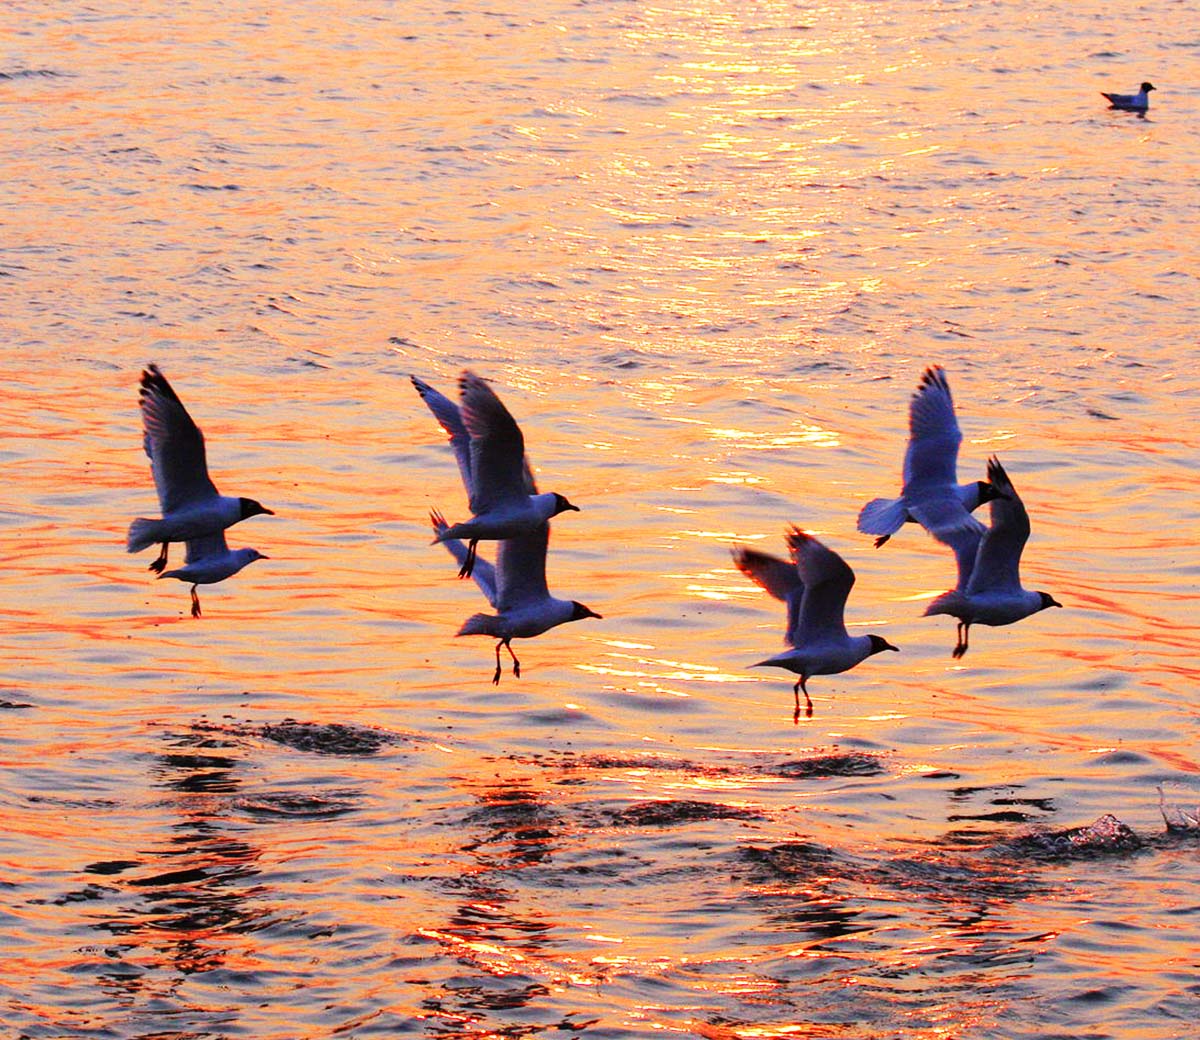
x=208, y=560
x=932, y=495
x=516, y=585
x=502, y=506
x=989, y=588
x=191, y=507
x=814, y=585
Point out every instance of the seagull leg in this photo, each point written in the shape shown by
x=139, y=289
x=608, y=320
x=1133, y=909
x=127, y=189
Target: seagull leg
x=159, y=565
x=801, y=685
x=469, y=563
x=496, y=676
x=516, y=663
x=964, y=630
x=882, y=540
x=195, y=603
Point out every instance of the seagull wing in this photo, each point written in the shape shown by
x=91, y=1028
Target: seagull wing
x=174, y=444
x=483, y=573
x=203, y=548
x=945, y=517
x=827, y=583
x=965, y=542
x=778, y=577
x=997, y=564
x=521, y=570
x=933, y=433
x=449, y=418
x=498, y=469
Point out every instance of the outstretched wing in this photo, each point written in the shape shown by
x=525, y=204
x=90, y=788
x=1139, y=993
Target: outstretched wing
x=483, y=572
x=998, y=562
x=202, y=548
x=778, y=577
x=450, y=419
x=447, y=414
x=174, y=444
x=933, y=433
x=827, y=584
x=498, y=471
x=521, y=570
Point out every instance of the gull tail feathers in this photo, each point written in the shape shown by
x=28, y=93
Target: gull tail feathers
x=142, y=534
x=480, y=625
x=943, y=604
x=771, y=662
x=882, y=516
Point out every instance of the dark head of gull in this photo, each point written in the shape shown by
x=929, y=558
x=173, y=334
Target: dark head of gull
x=561, y=505
x=879, y=644
x=252, y=508
x=1048, y=601
x=579, y=611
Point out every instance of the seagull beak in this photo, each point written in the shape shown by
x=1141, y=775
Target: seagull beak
x=269, y=512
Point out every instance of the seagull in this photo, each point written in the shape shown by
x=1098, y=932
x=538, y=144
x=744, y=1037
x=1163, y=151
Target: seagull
x=814, y=585
x=932, y=495
x=497, y=478
x=1138, y=102
x=208, y=560
x=516, y=585
x=191, y=507
x=989, y=583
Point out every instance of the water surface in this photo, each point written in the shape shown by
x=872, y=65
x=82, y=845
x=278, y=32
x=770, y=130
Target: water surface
x=704, y=253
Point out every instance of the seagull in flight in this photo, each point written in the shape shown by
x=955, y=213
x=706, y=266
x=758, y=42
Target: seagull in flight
x=932, y=495
x=814, y=585
x=209, y=559
x=191, y=507
x=515, y=585
x=989, y=588
x=1139, y=102
x=498, y=489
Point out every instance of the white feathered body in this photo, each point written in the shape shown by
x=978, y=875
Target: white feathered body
x=195, y=520
x=214, y=567
x=883, y=516
x=992, y=607
x=826, y=657
x=510, y=519
x=523, y=622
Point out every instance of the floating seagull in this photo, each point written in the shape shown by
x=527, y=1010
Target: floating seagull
x=932, y=495
x=516, y=585
x=989, y=583
x=208, y=560
x=501, y=503
x=191, y=507
x=1138, y=102
x=814, y=586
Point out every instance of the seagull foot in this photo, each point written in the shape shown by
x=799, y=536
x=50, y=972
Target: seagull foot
x=468, y=567
x=159, y=563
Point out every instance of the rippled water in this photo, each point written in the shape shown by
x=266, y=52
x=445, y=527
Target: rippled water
x=704, y=253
